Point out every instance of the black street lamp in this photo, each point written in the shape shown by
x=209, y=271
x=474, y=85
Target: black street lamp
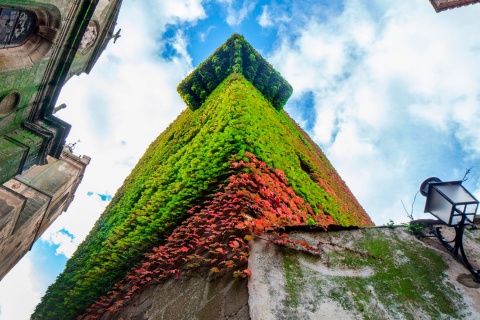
x=451, y=203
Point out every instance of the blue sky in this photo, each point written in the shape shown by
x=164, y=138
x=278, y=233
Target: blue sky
x=388, y=89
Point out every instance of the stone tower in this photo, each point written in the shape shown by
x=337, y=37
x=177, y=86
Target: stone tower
x=232, y=164
x=442, y=5
x=42, y=44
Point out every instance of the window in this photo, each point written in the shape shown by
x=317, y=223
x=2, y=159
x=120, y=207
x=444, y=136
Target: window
x=16, y=26
x=27, y=34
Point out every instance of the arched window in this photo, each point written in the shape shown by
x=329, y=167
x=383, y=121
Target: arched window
x=27, y=34
x=16, y=26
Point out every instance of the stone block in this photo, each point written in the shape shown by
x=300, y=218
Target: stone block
x=213, y=309
x=188, y=299
x=10, y=205
x=242, y=314
x=236, y=296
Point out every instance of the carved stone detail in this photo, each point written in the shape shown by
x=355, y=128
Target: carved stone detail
x=89, y=37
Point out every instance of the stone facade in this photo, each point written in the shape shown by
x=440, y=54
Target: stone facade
x=30, y=202
x=442, y=5
x=68, y=39
x=189, y=299
x=39, y=177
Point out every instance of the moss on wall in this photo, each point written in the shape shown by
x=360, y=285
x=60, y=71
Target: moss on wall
x=384, y=276
x=26, y=83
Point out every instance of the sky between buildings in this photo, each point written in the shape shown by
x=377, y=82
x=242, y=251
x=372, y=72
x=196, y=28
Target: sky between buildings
x=388, y=89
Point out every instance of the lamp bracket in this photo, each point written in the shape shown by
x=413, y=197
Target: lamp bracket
x=458, y=246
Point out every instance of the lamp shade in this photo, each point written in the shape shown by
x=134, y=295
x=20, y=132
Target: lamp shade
x=450, y=201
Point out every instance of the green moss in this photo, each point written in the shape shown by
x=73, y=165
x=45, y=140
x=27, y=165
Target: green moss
x=25, y=82
x=407, y=278
x=182, y=168
x=294, y=278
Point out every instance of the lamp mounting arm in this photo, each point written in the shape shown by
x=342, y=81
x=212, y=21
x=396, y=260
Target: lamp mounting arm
x=458, y=246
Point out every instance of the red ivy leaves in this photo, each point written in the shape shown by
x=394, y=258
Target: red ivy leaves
x=214, y=237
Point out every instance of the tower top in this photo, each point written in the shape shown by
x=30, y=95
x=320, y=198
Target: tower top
x=236, y=55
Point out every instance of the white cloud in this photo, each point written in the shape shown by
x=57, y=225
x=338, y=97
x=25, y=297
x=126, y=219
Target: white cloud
x=236, y=16
x=18, y=293
x=264, y=20
x=394, y=89
x=185, y=10
x=78, y=220
x=203, y=35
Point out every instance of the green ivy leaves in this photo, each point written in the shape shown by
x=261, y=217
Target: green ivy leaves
x=238, y=56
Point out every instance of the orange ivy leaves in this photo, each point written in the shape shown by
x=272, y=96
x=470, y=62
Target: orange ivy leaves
x=214, y=239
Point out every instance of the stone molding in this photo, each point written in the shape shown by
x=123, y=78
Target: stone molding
x=442, y=5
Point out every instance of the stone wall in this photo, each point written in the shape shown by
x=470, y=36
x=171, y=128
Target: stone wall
x=189, y=299
x=30, y=203
x=31, y=138
x=375, y=273
x=370, y=273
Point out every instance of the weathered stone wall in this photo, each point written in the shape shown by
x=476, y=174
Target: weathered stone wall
x=32, y=72
x=31, y=77
x=30, y=203
x=99, y=33
x=190, y=299
x=375, y=273
x=372, y=273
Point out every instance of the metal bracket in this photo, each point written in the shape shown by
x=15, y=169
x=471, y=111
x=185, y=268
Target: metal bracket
x=458, y=246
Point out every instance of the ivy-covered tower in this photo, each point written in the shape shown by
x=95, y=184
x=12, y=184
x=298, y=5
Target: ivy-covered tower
x=232, y=165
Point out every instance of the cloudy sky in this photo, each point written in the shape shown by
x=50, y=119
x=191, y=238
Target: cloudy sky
x=389, y=90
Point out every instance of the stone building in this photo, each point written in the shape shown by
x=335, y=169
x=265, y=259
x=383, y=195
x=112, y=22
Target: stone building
x=43, y=43
x=442, y=5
